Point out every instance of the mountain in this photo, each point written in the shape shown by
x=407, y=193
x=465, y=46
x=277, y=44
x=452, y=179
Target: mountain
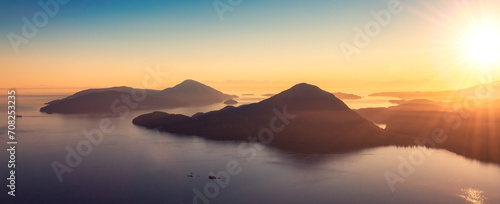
x=230, y=102
x=187, y=93
x=195, y=93
x=123, y=89
x=102, y=102
x=303, y=118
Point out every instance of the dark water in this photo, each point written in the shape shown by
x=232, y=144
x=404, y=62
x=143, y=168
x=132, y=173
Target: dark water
x=136, y=165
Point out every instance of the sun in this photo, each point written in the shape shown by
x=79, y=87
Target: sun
x=481, y=45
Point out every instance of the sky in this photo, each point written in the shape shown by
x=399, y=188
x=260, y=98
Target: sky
x=257, y=43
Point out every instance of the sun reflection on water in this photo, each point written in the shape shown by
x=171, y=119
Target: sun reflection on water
x=473, y=196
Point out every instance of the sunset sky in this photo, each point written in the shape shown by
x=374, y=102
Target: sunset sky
x=90, y=44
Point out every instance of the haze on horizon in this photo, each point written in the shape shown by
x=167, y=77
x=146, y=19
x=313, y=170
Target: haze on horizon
x=90, y=44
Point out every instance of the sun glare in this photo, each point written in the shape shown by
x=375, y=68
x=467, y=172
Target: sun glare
x=482, y=46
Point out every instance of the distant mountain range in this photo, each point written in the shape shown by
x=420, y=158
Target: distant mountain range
x=303, y=118
x=446, y=95
x=187, y=93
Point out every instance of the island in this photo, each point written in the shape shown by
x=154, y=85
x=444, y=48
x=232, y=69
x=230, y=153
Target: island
x=346, y=96
x=108, y=100
x=303, y=118
x=230, y=102
x=465, y=130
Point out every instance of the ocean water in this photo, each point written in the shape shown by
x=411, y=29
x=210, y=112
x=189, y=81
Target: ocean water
x=138, y=165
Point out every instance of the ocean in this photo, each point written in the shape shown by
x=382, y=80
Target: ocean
x=136, y=165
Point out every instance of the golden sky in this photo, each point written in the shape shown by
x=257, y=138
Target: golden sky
x=257, y=45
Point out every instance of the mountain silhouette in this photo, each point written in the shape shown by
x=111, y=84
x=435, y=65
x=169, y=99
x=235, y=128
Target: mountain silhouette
x=187, y=93
x=123, y=89
x=303, y=118
x=470, y=131
x=486, y=89
x=346, y=96
x=195, y=93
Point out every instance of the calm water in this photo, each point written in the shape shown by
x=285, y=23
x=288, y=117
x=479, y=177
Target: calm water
x=137, y=165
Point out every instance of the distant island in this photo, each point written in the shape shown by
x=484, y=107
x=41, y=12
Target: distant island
x=230, y=102
x=346, y=96
x=187, y=93
x=303, y=118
